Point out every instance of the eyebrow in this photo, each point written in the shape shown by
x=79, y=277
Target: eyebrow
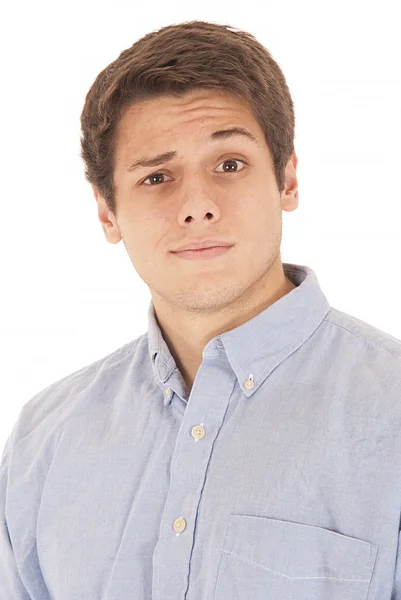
x=221, y=134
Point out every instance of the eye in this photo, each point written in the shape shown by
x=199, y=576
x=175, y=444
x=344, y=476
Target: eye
x=229, y=160
x=154, y=176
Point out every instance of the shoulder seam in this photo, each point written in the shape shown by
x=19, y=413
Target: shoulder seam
x=363, y=338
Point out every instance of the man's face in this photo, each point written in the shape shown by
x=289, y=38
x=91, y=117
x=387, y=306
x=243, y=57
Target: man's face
x=223, y=189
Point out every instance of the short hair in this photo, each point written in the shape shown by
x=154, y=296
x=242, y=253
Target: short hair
x=175, y=60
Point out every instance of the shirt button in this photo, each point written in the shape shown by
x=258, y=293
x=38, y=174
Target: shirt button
x=198, y=432
x=167, y=392
x=249, y=383
x=179, y=525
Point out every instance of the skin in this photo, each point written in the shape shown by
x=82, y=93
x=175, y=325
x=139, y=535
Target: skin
x=194, y=196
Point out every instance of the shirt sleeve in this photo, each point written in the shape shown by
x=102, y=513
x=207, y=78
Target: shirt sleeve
x=11, y=585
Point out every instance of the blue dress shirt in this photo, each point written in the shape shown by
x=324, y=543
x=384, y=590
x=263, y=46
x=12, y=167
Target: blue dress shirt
x=277, y=478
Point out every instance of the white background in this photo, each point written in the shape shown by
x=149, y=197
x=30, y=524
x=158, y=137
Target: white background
x=68, y=297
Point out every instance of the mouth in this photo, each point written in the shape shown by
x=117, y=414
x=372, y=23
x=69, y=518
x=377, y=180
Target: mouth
x=203, y=253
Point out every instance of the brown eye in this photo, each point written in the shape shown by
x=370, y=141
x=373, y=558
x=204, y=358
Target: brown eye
x=154, y=176
x=231, y=170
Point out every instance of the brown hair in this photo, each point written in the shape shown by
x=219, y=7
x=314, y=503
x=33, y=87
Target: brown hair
x=175, y=60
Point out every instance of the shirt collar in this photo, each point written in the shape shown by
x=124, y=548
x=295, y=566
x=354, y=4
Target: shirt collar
x=257, y=346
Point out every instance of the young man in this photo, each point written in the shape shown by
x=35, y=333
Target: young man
x=247, y=445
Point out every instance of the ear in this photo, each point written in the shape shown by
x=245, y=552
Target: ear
x=289, y=195
x=106, y=218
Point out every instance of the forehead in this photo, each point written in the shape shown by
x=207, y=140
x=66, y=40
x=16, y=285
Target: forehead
x=173, y=115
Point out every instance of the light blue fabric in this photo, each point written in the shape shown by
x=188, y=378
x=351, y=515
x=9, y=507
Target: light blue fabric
x=279, y=478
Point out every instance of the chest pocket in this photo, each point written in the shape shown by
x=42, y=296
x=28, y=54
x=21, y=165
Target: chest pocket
x=270, y=559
